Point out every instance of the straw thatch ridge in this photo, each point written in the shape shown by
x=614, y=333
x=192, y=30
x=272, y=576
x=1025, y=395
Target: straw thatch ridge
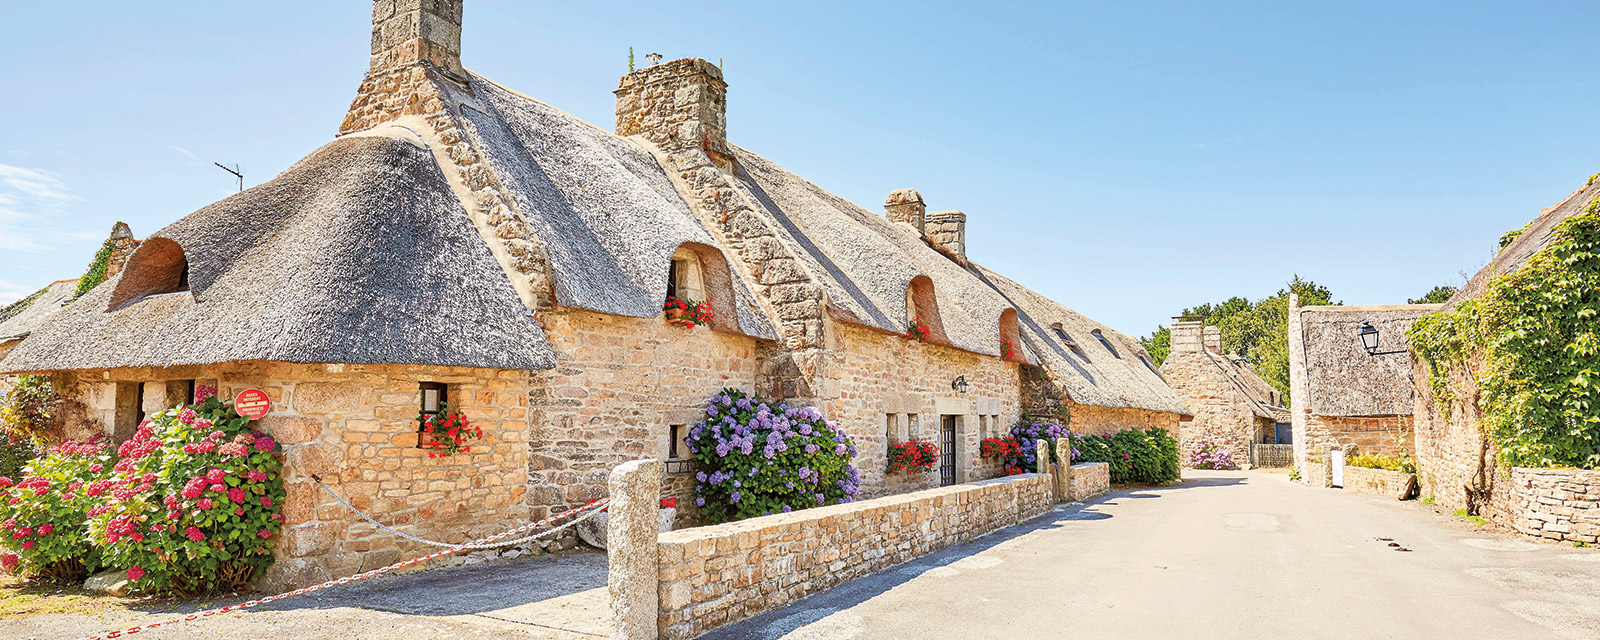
x=1341, y=378
x=865, y=262
x=22, y=320
x=607, y=213
x=1535, y=237
x=359, y=253
x=1119, y=376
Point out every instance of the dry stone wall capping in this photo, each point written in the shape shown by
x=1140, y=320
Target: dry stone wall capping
x=1383, y=482
x=711, y=576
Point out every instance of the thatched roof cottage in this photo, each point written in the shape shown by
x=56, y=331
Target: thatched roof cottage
x=1233, y=407
x=1340, y=393
x=459, y=240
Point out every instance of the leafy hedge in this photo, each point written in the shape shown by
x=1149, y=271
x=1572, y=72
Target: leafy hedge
x=1530, y=345
x=755, y=458
x=1135, y=457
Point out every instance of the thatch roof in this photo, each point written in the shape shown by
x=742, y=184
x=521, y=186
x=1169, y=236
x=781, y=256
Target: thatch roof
x=359, y=253
x=1120, y=375
x=1262, y=396
x=608, y=215
x=22, y=317
x=1341, y=378
x=1536, y=236
x=864, y=262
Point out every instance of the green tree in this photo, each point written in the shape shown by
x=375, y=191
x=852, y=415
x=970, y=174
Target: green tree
x=1439, y=294
x=1158, y=344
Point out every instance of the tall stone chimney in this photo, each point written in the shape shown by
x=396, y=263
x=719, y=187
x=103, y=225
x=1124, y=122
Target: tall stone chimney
x=1213, y=339
x=905, y=205
x=947, y=232
x=677, y=105
x=405, y=32
x=122, y=245
x=1186, y=336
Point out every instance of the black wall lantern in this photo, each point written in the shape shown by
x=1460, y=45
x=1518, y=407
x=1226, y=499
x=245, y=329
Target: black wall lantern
x=1369, y=340
x=959, y=384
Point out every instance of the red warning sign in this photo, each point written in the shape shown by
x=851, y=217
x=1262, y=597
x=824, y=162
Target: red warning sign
x=252, y=403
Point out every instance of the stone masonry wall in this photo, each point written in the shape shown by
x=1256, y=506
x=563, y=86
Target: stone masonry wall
x=618, y=386
x=874, y=375
x=1091, y=420
x=1382, y=435
x=1090, y=479
x=711, y=576
x=1382, y=482
x=1554, y=504
x=1221, y=410
x=355, y=426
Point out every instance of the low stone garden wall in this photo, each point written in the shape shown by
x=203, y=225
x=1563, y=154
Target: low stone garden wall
x=711, y=576
x=1090, y=479
x=1318, y=474
x=1556, y=504
x=1394, y=484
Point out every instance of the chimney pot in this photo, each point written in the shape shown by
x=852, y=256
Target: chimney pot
x=1213, y=339
x=1186, y=336
x=947, y=232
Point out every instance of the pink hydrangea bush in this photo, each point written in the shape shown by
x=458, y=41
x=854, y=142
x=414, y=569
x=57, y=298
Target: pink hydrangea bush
x=42, y=515
x=196, y=502
x=1207, y=453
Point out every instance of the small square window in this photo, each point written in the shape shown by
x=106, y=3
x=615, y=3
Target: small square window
x=435, y=397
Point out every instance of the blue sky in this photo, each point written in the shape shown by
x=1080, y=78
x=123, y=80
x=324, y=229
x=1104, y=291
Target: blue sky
x=1126, y=159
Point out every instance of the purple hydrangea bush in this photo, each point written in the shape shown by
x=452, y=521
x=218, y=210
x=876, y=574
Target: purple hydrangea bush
x=756, y=458
x=1027, y=433
x=1207, y=453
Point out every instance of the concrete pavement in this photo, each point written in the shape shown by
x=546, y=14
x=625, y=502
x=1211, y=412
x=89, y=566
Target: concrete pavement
x=1236, y=555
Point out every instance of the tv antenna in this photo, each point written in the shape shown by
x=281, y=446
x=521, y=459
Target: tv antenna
x=235, y=171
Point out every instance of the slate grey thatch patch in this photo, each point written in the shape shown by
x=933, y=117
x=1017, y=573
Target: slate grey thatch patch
x=1090, y=374
x=359, y=253
x=1342, y=379
x=606, y=211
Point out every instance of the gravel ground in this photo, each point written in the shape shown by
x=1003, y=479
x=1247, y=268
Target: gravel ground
x=546, y=597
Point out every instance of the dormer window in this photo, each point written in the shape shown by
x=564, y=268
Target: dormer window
x=1010, y=342
x=922, y=307
x=685, y=280
x=1106, y=343
x=158, y=267
x=1061, y=333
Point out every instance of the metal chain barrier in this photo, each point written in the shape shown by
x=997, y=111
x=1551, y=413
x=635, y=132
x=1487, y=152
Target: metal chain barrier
x=592, y=507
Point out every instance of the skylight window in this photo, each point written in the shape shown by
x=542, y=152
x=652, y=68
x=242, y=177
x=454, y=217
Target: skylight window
x=1106, y=343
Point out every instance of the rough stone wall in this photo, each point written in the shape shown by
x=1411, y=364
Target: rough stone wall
x=1382, y=435
x=407, y=31
x=618, y=386
x=1092, y=420
x=355, y=426
x=711, y=576
x=1221, y=410
x=1089, y=479
x=1554, y=504
x=875, y=374
x=1381, y=482
x=1456, y=461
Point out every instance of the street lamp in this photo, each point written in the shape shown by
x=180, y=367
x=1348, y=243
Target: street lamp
x=1369, y=340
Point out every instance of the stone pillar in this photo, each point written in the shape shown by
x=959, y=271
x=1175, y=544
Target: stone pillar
x=631, y=529
x=406, y=32
x=1063, y=469
x=1042, y=455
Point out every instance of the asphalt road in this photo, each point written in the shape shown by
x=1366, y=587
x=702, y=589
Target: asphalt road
x=1235, y=555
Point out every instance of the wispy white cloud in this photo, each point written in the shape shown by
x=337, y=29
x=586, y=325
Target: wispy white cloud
x=194, y=160
x=32, y=202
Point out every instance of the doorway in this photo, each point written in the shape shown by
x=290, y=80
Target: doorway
x=947, y=450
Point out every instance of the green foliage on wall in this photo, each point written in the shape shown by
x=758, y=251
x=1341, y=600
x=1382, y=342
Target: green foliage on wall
x=96, y=273
x=1439, y=294
x=1259, y=330
x=1531, y=347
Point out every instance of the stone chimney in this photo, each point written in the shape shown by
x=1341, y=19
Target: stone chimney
x=677, y=105
x=947, y=232
x=122, y=245
x=405, y=32
x=1186, y=336
x=1213, y=339
x=905, y=205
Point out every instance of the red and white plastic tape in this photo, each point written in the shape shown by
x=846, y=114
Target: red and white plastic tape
x=598, y=505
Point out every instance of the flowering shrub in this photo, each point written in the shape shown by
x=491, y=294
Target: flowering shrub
x=194, y=503
x=756, y=458
x=1403, y=463
x=1135, y=456
x=912, y=456
x=1026, y=434
x=445, y=433
x=26, y=409
x=41, y=517
x=1006, y=352
x=688, y=312
x=669, y=503
x=916, y=330
x=1207, y=453
x=1002, y=448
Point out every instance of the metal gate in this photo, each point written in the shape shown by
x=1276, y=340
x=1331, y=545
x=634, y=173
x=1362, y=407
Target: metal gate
x=947, y=451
